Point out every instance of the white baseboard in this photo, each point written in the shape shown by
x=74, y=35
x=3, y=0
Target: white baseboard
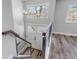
x=65, y=34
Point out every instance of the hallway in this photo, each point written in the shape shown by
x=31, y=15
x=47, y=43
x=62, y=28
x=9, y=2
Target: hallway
x=63, y=47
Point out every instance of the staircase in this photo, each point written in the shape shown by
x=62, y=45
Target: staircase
x=24, y=48
x=35, y=53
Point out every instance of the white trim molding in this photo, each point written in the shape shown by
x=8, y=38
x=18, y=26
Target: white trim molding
x=65, y=34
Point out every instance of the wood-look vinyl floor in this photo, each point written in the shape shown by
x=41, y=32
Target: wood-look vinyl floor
x=63, y=47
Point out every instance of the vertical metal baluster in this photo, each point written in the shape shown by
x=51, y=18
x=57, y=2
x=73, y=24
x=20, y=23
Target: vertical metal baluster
x=16, y=46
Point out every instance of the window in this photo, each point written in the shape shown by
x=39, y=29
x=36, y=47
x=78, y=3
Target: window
x=36, y=10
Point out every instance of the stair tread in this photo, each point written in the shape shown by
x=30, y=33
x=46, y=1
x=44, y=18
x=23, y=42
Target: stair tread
x=24, y=56
x=35, y=54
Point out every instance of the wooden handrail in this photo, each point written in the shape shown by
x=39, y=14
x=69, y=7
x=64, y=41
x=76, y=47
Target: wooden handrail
x=15, y=34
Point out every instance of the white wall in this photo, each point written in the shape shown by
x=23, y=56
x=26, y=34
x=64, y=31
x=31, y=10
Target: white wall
x=17, y=8
x=60, y=17
x=7, y=19
x=8, y=47
x=35, y=37
x=8, y=42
